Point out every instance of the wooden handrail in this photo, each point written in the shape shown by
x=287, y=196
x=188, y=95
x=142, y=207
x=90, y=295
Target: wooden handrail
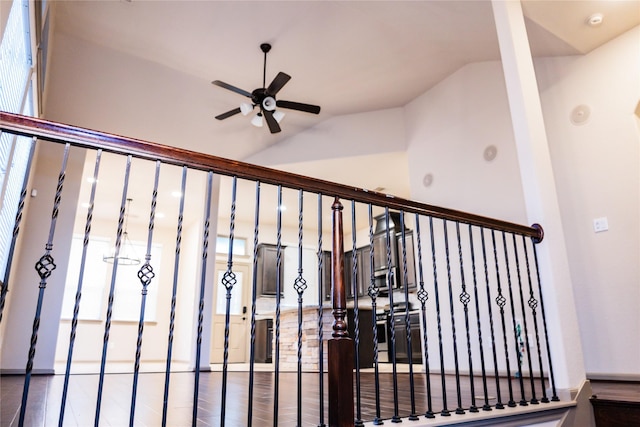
x=63, y=133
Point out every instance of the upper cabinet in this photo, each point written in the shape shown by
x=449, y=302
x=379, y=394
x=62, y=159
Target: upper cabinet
x=267, y=274
x=386, y=258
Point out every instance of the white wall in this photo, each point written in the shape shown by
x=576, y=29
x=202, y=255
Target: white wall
x=448, y=128
x=344, y=136
x=597, y=167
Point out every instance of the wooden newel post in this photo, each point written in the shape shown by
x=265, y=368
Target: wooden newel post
x=340, y=346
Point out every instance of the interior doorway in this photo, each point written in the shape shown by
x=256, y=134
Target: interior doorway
x=238, y=314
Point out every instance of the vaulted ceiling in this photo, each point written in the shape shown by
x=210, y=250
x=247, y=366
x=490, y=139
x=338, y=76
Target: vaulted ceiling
x=346, y=56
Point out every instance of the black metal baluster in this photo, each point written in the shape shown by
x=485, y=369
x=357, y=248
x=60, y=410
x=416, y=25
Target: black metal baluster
x=373, y=291
x=44, y=267
x=554, y=395
x=356, y=313
x=533, y=305
x=228, y=281
x=174, y=292
x=254, y=295
x=465, y=298
x=300, y=285
x=76, y=307
x=445, y=411
x=500, y=302
x=423, y=296
x=203, y=277
x=499, y=404
x=534, y=399
x=459, y=409
x=112, y=287
x=407, y=318
x=4, y=285
x=523, y=400
x=321, y=287
x=486, y=406
x=145, y=274
x=276, y=383
x=391, y=285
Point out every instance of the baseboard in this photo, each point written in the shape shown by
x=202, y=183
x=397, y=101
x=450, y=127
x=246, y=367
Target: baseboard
x=603, y=376
x=22, y=372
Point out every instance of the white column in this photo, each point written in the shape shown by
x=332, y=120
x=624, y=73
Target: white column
x=540, y=194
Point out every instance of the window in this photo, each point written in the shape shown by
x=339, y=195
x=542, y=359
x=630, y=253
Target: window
x=16, y=97
x=95, y=285
x=239, y=245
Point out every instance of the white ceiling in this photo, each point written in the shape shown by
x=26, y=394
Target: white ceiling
x=346, y=56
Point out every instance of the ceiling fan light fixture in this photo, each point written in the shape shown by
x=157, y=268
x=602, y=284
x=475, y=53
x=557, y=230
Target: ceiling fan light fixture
x=246, y=108
x=257, y=120
x=269, y=103
x=278, y=115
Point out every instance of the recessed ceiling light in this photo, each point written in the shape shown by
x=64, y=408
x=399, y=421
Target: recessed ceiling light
x=595, y=19
x=176, y=194
x=160, y=215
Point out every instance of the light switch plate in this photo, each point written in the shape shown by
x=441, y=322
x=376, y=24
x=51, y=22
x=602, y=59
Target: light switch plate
x=600, y=224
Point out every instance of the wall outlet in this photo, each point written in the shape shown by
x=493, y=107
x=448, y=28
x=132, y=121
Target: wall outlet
x=600, y=224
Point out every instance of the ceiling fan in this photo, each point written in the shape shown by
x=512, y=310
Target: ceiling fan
x=265, y=99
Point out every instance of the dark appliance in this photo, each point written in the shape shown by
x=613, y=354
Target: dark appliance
x=389, y=259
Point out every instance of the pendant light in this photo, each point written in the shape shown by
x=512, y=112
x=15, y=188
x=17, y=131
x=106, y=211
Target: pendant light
x=127, y=254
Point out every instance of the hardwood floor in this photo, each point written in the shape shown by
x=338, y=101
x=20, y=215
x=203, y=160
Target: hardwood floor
x=45, y=393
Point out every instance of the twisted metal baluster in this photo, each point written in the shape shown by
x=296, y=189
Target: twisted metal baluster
x=229, y=280
x=76, y=307
x=391, y=285
x=523, y=400
x=320, y=314
x=465, y=299
x=145, y=274
x=499, y=404
x=554, y=395
x=407, y=317
x=112, y=287
x=276, y=383
x=533, y=304
x=174, y=292
x=4, y=285
x=533, y=400
x=486, y=406
x=203, y=276
x=356, y=313
x=44, y=267
x=445, y=412
x=459, y=409
x=300, y=285
x=373, y=292
x=423, y=296
x=254, y=295
x=501, y=302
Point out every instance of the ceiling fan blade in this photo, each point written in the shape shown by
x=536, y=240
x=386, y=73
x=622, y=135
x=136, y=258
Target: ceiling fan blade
x=228, y=114
x=307, y=108
x=277, y=83
x=274, y=127
x=231, y=88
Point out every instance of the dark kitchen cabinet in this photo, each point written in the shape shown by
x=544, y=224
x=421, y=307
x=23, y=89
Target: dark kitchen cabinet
x=402, y=353
x=264, y=340
x=267, y=273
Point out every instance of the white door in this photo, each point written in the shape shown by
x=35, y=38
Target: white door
x=239, y=315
